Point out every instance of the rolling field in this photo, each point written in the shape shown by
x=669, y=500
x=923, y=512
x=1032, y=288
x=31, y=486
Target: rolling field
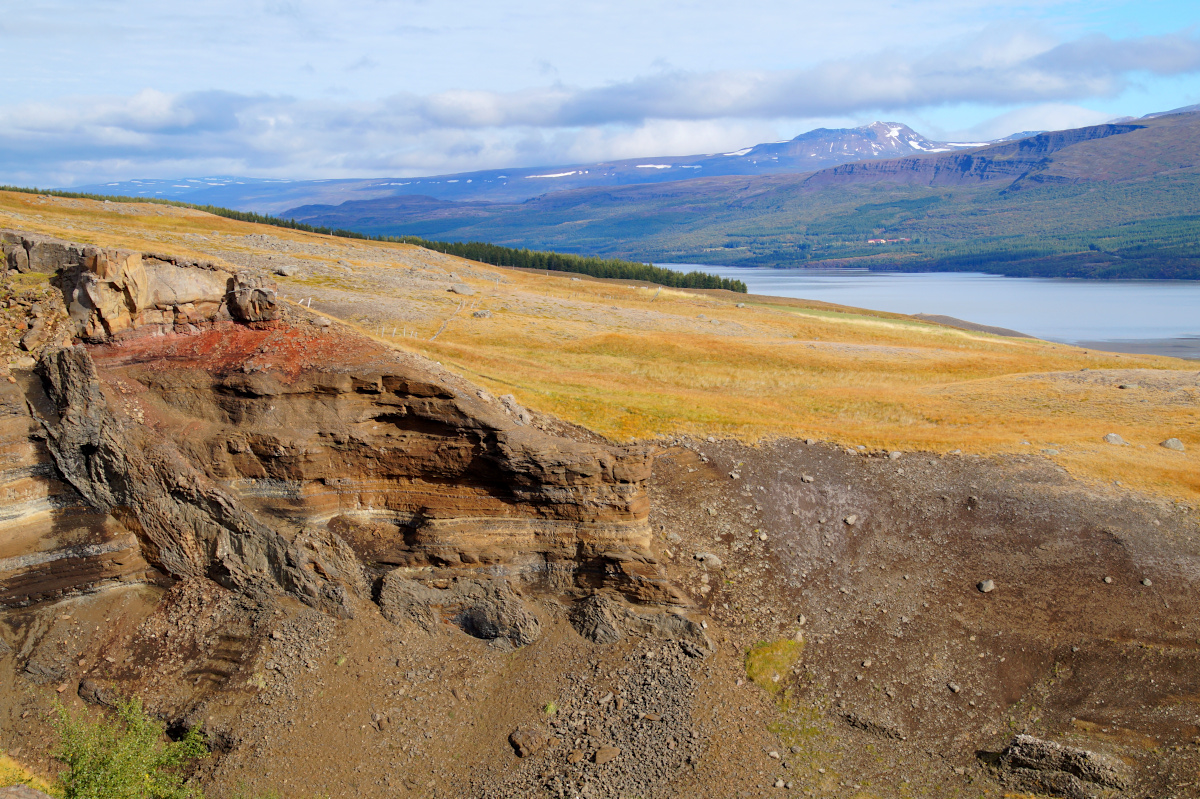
x=631, y=361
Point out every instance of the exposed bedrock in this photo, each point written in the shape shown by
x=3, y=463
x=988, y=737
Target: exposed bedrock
x=200, y=435
x=409, y=465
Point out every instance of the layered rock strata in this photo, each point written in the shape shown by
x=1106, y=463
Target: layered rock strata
x=201, y=433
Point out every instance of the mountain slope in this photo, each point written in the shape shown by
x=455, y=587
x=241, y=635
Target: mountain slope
x=1118, y=200
x=815, y=149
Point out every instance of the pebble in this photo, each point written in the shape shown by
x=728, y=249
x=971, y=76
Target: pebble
x=1108, y=579
x=851, y=520
x=574, y=756
x=954, y=687
x=986, y=586
x=894, y=454
x=606, y=754
x=808, y=478
x=1146, y=582
x=773, y=755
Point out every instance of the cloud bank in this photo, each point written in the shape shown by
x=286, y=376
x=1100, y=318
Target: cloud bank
x=155, y=133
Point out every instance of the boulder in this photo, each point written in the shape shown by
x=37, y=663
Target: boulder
x=15, y=256
x=252, y=299
x=597, y=619
x=1113, y=438
x=1046, y=767
x=527, y=739
x=1173, y=444
x=604, y=619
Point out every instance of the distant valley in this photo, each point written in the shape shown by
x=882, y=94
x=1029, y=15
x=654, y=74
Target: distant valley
x=1120, y=200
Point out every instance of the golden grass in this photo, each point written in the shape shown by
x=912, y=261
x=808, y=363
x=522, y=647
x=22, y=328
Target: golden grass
x=632, y=362
x=13, y=773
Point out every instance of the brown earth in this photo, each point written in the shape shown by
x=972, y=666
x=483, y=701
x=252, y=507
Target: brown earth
x=361, y=575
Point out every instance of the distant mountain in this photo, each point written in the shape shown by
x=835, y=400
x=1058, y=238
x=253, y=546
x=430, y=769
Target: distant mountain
x=816, y=149
x=1115, y=200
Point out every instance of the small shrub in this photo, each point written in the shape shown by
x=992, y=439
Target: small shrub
x=124, y=757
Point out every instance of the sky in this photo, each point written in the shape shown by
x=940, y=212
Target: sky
x=120, y=89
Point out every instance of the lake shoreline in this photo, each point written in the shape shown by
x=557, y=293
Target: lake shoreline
x=1147, y=317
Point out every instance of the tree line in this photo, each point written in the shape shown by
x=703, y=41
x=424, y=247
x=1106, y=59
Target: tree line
x=473, y=250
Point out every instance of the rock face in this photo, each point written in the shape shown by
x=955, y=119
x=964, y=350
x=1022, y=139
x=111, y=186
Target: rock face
x=186, y=525
x=1047, y=767
x=208, y=438
x=113, y=293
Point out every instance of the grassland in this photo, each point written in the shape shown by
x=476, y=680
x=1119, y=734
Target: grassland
x=633, y=362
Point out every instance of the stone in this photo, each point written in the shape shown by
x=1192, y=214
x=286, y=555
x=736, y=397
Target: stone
x=22, y=792
x=597, y=619
x=806, y=478
x=483, y=608
x=606, y=754
x=574, y=756
x=252, y=299
x=1147, y=582
x=1108, y=580
x=773, y=755
x=15, y=256
x=1128, y=385
x=851, y=520
x=462, y=288
x=527, y=739
x=1113, y=438
x=286, y=270
x=894, y=455
x=954, y=687
x=485, y=314
x=708, y=559
x=35, y=336
x=779, y=783
x=1173, y=444
x=1048, y=767
x=986, y=586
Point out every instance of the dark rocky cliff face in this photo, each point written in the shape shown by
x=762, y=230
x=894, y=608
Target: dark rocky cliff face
x=201, y=436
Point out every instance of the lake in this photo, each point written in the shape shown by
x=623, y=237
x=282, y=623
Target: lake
x=1160, y=317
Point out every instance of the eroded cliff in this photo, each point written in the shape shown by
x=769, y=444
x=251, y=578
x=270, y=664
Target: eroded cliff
x=201, y=431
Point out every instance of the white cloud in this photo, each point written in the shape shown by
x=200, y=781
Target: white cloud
x=82, y=139
x=1044, y=116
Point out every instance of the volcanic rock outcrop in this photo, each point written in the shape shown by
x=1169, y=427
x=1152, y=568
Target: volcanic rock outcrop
x=209, y=437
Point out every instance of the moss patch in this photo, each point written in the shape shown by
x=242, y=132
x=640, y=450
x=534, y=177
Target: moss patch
x=768, y=662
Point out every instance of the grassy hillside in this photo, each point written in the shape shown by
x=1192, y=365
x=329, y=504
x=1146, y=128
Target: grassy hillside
x=1126, y=206
x=631, y=362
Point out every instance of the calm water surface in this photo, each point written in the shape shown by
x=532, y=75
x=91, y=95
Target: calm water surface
x=1156, y=316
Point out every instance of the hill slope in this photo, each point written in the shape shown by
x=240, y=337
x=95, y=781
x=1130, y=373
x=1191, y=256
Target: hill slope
x=1118, y=200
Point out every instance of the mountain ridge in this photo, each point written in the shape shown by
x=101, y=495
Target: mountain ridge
x=1113, y=200
x=814, y=149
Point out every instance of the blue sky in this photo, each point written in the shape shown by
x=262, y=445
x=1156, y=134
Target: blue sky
x=111, y=89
